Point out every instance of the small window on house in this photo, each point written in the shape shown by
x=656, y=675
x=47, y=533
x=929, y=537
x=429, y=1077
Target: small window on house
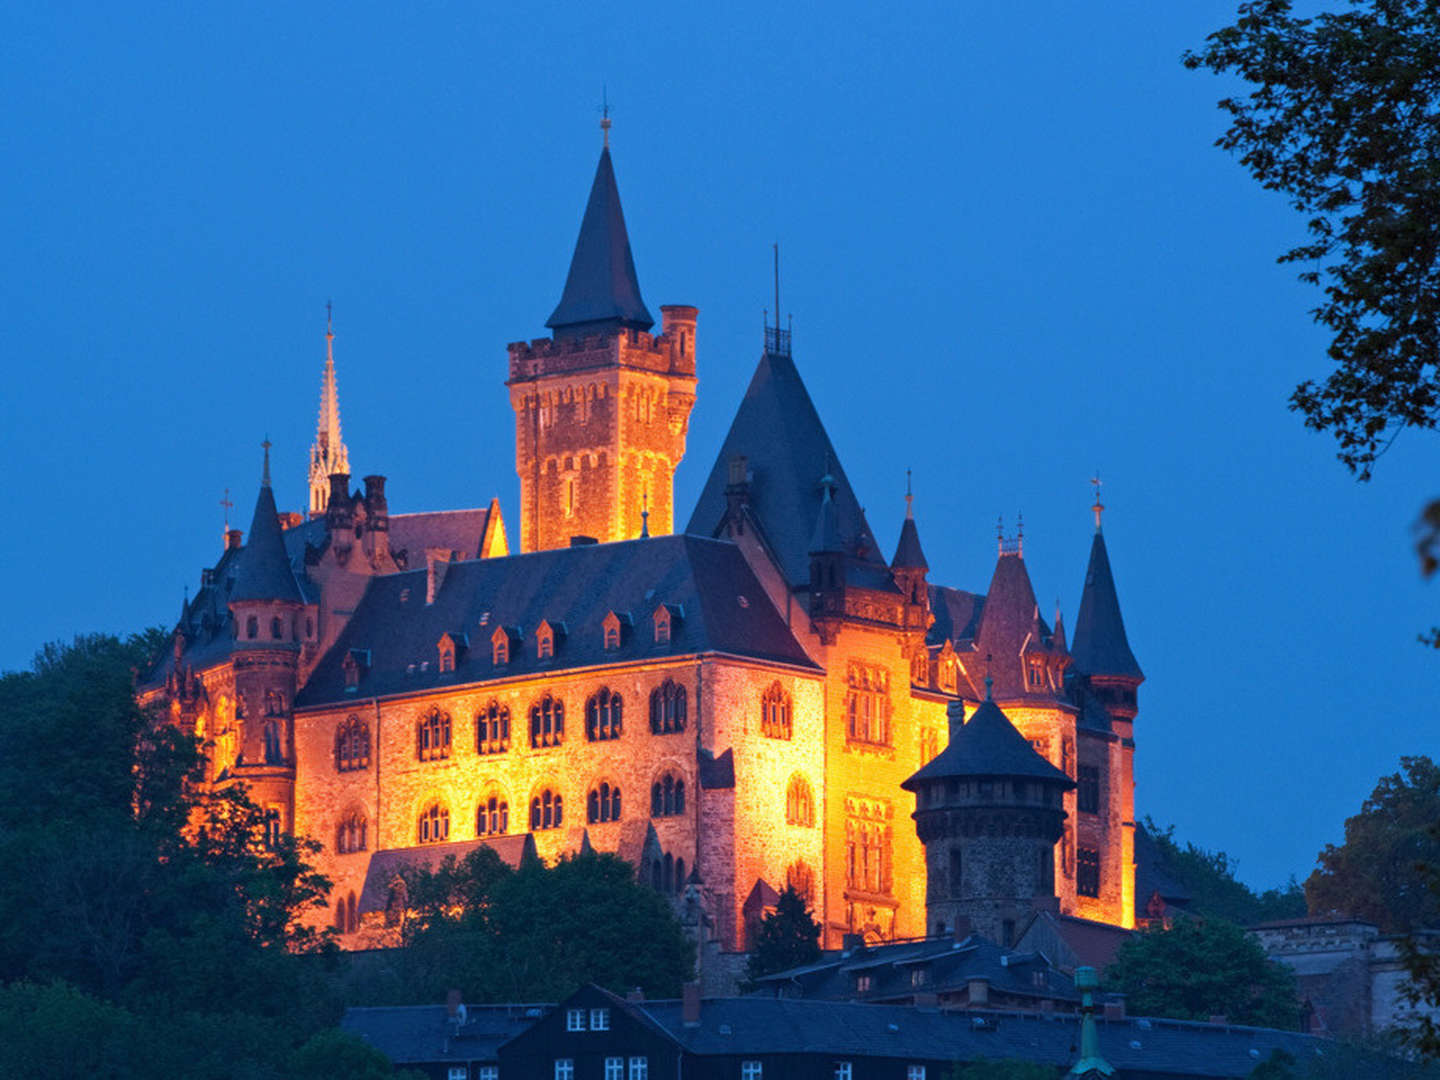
x=434, y=825
x=1087, y=872
x=919, y=976
x=603, y=804
x=639, y=1068
x=599, y=1019
x=843, y=1070
x=500, y=647
x=915, y=1072
x=603, y=715
x=611, y=628
x=458, y=1072
x=667, y=708
x=662, y=625
x=1087, y=794
x=352, y=745
x=492, y=729
x=544, y=642
x=488, y=1072
x=492, y=817
x=614, y=1068
x=775, y=712
x=273, y=822
x=574, y=1019
x=547, y=722
x=752, y=1070
x=546, y=811
x=799, y=803
x=432, y=736
x=667, y=796
x=863, y=983
x=564, y=1069
x=447, y=657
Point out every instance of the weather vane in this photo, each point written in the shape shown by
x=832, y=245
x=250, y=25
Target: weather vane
x=605, y=113
x=227, y=506
x=1099, y=506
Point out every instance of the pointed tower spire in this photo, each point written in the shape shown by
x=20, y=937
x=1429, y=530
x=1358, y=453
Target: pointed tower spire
x=908, y=554
x=264, y=572
x=1101, y=647
x=328, y=455
x=602, y=291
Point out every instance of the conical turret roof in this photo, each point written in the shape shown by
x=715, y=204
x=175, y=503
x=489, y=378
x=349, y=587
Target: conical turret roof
x=264, y=572
x=988, y=745
x=1100, y=646
x=602, y=290
x=1010, y=626
x=827, y=539
x=908, y=555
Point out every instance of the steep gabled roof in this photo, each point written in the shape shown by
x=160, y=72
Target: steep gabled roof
x=1010, y=626
x=988, y=745
x=264, y=572
x=788, y=451
x=908, y=555
x=602, y=290
x=1100, y=646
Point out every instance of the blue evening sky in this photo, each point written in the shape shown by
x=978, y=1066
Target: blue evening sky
x=1012, y=254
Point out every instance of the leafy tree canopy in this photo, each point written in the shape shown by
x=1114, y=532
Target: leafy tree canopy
x=1378, y=873
x=1343, y=117
x=788, y=937
x=1201, y=968
x=536, y=933
x=1215, y=891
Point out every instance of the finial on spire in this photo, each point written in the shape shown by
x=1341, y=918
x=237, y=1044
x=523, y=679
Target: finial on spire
x=1000, y=533
x=989, y=682
x=226, y=506
x=909, y=498
x=1020, y=533
x=329, y=325
x=265, y=476
x=1099, y=507
x=644, y=515
x=605, y=115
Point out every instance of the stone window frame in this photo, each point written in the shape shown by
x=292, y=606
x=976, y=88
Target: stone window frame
x=603, y=803
x=547, y=809
x=432, y=826
x=800, y=802
x=604, y=715
x=433, y=735
x=547, y=722
x=667, y=795
x=668, y=707
x=868, y=710
x=492, y=813
x=1087, y=873
x=492, y=728
x=350, y=833
x=352, y=744
x=776, y=712
x=1087, y=789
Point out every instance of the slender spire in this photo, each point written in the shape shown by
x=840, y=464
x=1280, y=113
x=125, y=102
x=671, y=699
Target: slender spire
x=328, y=455
x=265, y=474
x=264, y=572
x=908, y=553
x=909, y=498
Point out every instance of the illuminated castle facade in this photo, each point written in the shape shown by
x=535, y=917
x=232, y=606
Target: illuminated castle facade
x=732, y=708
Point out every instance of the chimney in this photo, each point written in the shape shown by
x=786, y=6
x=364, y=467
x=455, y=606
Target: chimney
x=337, y=510
x=955, y=713
x=635, y=996
x=690, y=1004
x=232, y=539
x=437, y=565
x=452, y=1004
x=377, y=517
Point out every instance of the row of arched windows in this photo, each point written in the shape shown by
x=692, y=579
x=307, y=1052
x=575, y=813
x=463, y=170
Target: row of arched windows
x=603, y=804
x=667, y=874
x=799, y=802
x=667, y=796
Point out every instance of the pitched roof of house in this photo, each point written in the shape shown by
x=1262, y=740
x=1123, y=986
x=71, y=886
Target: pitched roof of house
x=788, y=451
x=1099, y=646
x=725, y=610
x=409, y=1034
x=602, y=289
x=988, y=745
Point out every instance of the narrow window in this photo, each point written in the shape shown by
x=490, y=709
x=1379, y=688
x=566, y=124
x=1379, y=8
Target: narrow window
x=564, y=1069
x=799, y=803
x=915, y=1072
x=574, y=1019
x=546, y=811
x=667, y=708
x=603, y=715
x=492, y=729
x=614, y=1068
x=667, y=796
x=433, y=736
x=599, y=1019
x=842, y=1070
x=492, y=817
x=775, y=713
x=603, y=804
x=639, y=1068
x=547, y=722
x=352, y=745
x=1087, y=872
x=752, y=1070
x=434, y=824
x=1087, y=795
x=252, y=627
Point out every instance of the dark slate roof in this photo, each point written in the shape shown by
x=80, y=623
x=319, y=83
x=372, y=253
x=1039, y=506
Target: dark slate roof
x=908, y=554
x=412, y=1034
x=725, y=610
x=1010, y=626
x=264, y=572
x=949, y=966
x=826, y=537
x=957, y=614
x=1080, y=941
x=1100, y=646
x=988, y=745
x=788, y=450
x=602, y=290
x=732, y=1027
x=513, y=849
x=1153, y=874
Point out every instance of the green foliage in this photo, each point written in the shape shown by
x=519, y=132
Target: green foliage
x=1201, y=968
x=1006, y=1069
x=788, y=937
x=536, y=933
x=1373, y=1059
x=1378, y=873
x=1343, y=117
x=1209, y=878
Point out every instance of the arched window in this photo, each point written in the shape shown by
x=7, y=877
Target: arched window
x=252, y=627
x=492, y=818
x=667, y=796
x=603, y=715
x=277, y=628
x=274, y=754
x=799, y=802
x=801, y=878
x=775, y=712
x=352, y=745
x=347, y=921
x=434, y=824
x=546, y=811
x=492, y=729
x=547, y=722
x=433, y=736
x=603, y=804
x=667, y=708
x=350, y=834
x=274, y=703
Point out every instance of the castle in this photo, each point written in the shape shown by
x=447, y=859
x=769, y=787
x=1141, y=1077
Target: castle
x=733, y=708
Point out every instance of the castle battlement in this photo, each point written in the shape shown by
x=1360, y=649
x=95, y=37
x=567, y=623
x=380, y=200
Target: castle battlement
x=671, y=352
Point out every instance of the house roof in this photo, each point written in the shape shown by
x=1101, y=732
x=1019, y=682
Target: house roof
x=602, y=290
x=1100, y=646
x=788, y=452
x=988, y=745
x=513, y=849
x=726, y=610
x=409, y=1034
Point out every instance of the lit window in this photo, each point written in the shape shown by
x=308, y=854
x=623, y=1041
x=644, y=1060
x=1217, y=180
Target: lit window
x=799, y=803
x=434, y=824
x=775, y=712
x=458, y=1072
x=1087, y=872
x=867, y=705
x=842, y=1070
x=564, y=1069
x=752, y=1070
x=599, y=1019
x=603, y=715
x=919, y=976
x=614, y=1068
x=667, y=708
x=574, y=1019
x=352, y=745
x=863, y=984
x=915, y=1072
x=639, y=1068
x=488, y=1072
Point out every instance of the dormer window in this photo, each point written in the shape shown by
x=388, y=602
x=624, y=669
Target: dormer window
x=450, y=646
x=500, y=647
x=612, y=627
x=1036, y=674
x=547, y=636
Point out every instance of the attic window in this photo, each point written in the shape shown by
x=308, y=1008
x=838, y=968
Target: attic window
x=1036, y=674
x=447, y=656
x=544, y=642
x=500, y=647
x=662, y=626
x=611, y=628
